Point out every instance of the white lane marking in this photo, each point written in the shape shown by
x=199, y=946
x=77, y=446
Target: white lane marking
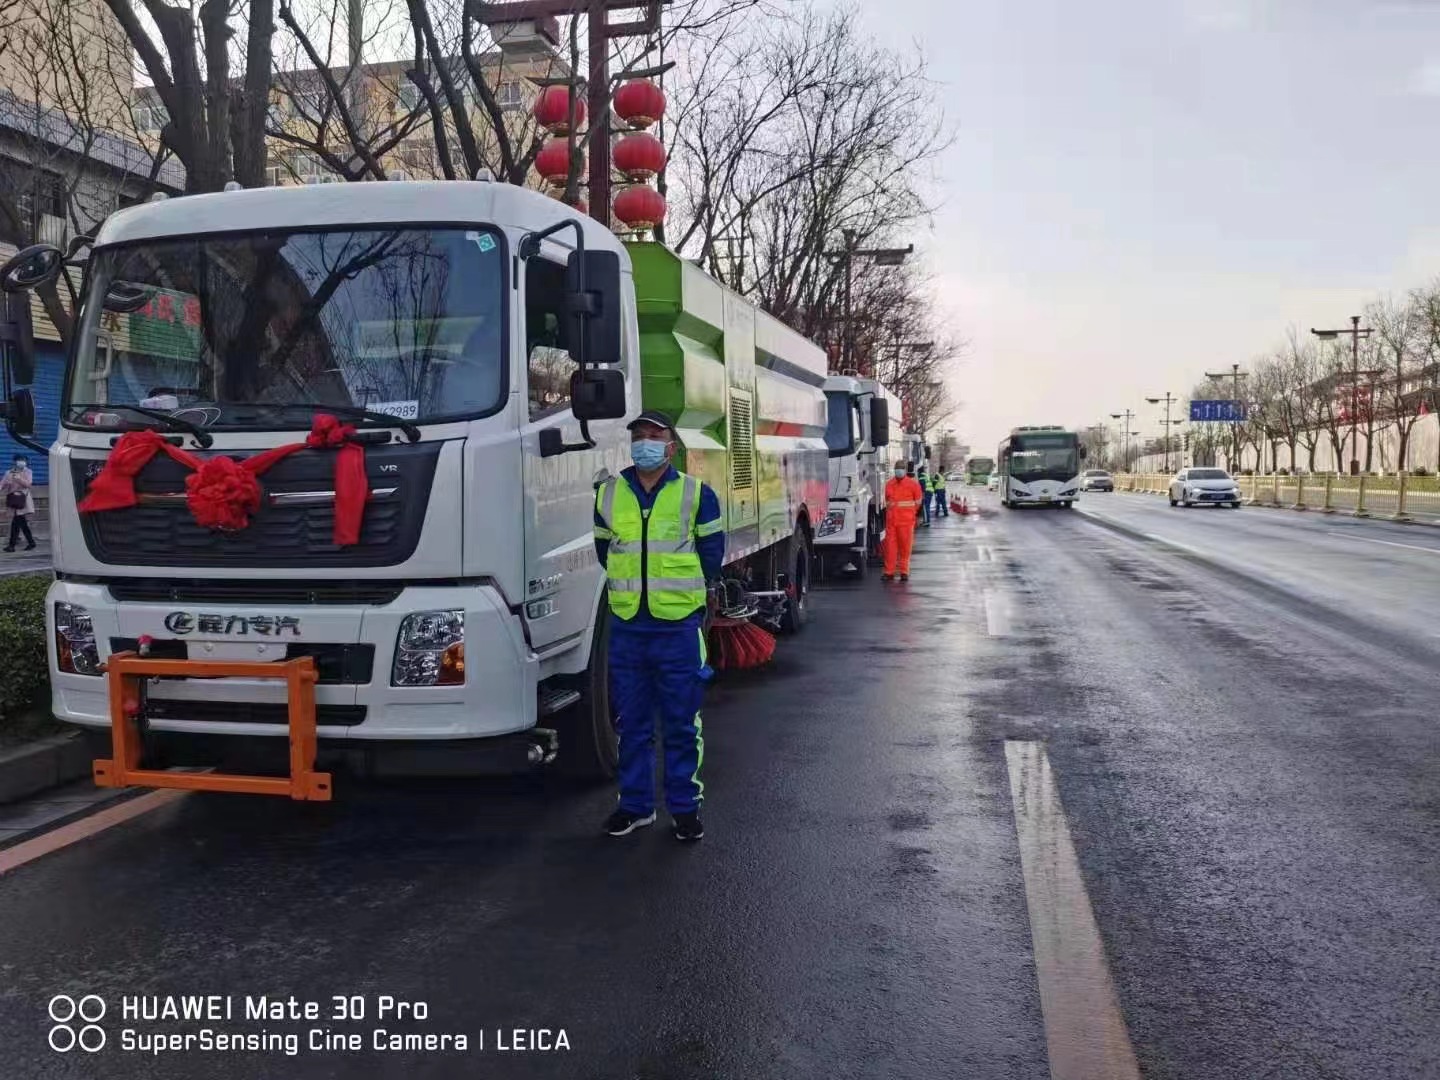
x=1387, y=543
x=983, y=553
x=1085, y=1031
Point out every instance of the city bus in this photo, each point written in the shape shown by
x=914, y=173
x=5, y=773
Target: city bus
x=978, y=470
x=1039, y=465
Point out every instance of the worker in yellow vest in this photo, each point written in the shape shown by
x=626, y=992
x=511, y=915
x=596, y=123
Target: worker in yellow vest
x=660, y=537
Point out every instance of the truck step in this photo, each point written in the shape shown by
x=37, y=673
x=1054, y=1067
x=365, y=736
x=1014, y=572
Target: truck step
x=553, y=701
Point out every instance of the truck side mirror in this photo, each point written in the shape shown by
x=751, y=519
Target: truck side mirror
x=598, y=394
x=19, y=412
x=17, y=338
x=879, y=422
x=594, y=310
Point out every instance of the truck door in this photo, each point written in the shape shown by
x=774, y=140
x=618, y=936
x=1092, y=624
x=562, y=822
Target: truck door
x=562, y=576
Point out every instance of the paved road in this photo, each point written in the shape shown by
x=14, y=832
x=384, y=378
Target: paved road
x=1246, y=770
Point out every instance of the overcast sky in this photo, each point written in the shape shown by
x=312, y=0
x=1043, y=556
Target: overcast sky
x=1144, y=189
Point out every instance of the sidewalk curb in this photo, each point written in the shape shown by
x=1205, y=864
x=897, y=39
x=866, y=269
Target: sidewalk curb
x=50, y=762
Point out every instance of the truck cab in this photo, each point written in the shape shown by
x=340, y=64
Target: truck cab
x=415, y=314
x=857, y=437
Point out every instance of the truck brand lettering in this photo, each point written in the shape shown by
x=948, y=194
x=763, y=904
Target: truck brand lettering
x=183, y=622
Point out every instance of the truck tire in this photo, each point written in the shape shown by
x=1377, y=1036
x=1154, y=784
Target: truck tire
x=589, y=746
x=796, y=567
x=874, y=554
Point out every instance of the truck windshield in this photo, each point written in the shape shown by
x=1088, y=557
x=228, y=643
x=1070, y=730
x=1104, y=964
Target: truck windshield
x=840, y=427
x=259, y=330
x=1044, y=457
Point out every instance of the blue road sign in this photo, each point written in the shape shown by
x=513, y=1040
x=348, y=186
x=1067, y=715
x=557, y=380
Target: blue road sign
x=1221, y=412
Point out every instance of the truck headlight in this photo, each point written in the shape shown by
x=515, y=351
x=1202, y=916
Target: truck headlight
x=833, y=523
x=75, y=649
x=430, y=650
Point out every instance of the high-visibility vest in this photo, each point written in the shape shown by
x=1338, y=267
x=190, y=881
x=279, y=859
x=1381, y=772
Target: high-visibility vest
x=653, y=551
x=937, y=482
x=902, y=500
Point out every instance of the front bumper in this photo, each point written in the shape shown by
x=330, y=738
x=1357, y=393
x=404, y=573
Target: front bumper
x=498, y=696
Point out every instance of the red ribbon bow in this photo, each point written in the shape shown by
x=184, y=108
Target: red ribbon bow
x=224, y=492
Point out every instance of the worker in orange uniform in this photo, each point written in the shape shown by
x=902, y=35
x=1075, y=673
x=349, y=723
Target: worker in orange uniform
x=903, y=497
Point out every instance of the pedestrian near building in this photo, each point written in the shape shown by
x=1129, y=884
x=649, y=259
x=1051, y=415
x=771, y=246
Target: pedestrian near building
x=937, y=489
x=903, y=499
x=15, y=489
x=923, y=479
x=661, y=539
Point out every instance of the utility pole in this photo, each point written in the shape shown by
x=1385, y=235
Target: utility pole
x=882, y=257
x=1235, y=374
x=1169, y=400
x=1127, y=415
x=599, y=33
x=1355, y=335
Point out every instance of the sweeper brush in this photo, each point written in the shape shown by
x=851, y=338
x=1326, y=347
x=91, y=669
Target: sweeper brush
x=735, y=641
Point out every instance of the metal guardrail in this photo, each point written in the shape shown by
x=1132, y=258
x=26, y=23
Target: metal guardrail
x=1400, y=497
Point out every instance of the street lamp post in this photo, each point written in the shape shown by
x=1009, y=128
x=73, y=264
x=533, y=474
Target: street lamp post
x=882, y=257
x=1127, y=416
x=1355, y=335
x=1169, y=399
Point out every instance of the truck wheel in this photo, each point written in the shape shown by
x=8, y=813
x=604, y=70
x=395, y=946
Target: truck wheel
x=589, y=746
x=873, y=554
x=797, y=608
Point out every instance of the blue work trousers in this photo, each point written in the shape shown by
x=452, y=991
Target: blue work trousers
x=659, y=672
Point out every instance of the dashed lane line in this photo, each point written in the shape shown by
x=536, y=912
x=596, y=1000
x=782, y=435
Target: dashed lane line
x=1085, y=1031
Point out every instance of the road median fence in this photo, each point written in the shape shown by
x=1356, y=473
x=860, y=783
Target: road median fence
x=1399, y=497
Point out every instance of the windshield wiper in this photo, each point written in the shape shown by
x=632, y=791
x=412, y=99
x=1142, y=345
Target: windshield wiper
x=173, y=423
x=355, y=412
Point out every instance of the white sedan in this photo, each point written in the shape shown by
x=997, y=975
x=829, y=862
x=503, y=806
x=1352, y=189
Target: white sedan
x=1214, y=487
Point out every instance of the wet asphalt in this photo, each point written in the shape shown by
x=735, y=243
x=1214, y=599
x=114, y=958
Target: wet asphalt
x=1239, y=708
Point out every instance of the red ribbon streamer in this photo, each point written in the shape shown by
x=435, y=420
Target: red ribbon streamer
x=224, y=492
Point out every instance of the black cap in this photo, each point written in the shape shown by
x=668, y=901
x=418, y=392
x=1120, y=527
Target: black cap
x=656, y=417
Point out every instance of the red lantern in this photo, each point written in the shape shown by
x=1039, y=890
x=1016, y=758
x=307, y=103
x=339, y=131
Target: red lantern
x=639, y=103
x=552, y=110
x=553, y=161
x=640, y=207
x=639, y=155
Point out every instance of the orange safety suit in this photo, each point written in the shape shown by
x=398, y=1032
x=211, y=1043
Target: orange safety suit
x=902, y=504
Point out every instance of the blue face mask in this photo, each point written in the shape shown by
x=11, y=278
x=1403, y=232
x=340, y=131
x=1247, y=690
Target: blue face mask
x=648, y=453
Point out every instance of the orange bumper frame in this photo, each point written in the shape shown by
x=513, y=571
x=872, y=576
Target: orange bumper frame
x=126, y=670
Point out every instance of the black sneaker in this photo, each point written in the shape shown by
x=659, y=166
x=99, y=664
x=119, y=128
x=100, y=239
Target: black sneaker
x=623, y=822
x=688, y=827
x=887, y=577
x=904, y=577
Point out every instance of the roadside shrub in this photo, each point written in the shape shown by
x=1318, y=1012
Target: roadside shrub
x=24, y=671
x=1420, y=471
x=1282, y=472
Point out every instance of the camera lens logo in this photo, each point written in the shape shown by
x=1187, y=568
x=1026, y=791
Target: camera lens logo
x=77, y=1023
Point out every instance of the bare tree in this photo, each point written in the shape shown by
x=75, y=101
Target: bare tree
x=787, y=137
x=1402, y=348
x=216, y=119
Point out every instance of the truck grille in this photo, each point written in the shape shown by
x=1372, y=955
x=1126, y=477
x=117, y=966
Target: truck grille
x=256, y=593
x=336, y=665
x=288, y=535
